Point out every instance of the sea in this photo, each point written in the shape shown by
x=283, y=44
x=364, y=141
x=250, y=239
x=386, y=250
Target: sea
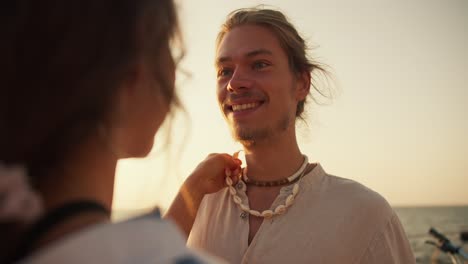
x=449, y=220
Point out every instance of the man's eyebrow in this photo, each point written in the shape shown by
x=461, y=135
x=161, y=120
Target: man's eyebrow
x=254, y=53
x=249, y=54
x=220, y=60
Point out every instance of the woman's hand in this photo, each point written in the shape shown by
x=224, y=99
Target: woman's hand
x=208, y=177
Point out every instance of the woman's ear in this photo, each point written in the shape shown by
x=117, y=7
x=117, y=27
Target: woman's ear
x=130, y=88
x=132, y=78
x=303, y=85
x=124, y=97
x=122, y=115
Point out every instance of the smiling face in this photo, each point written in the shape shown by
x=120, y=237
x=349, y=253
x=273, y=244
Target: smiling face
x=257, y=91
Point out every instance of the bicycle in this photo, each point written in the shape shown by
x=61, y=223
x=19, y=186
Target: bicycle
x=456, y=253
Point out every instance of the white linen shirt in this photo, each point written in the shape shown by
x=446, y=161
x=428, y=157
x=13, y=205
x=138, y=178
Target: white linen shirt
x=333, y=220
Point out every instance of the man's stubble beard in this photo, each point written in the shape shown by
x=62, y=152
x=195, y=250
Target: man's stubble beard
x=250, y=136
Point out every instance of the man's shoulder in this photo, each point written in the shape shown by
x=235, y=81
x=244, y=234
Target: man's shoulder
x=353, y=187
x=357, y=196
x=363, y=217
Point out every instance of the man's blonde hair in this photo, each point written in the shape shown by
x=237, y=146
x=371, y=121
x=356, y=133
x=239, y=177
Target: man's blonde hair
x=290, y=40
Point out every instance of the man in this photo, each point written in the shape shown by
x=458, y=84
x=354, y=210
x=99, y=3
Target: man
x=284, y=210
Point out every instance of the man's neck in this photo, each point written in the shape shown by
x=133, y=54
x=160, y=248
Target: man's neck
x=274, y=158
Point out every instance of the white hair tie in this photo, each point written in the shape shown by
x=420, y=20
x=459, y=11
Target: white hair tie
x=18, y=201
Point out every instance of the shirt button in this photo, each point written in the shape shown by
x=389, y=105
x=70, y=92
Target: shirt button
x=243, y=215
x=239, y=185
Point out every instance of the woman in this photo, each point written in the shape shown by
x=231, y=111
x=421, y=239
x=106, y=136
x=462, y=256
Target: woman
x=85, y=83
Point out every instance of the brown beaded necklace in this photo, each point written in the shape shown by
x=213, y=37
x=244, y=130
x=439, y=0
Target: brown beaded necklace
x=281, y=182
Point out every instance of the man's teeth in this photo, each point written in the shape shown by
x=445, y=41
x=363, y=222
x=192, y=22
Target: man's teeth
x=244, y=106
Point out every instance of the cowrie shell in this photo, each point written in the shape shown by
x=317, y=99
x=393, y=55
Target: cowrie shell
x=232, y=190
x=267, y=213
x=244, y=207
x=237, y=199
x=255, y=213
x=228, y=181
x=280, y=209
x=295, y=189
x=289, y=200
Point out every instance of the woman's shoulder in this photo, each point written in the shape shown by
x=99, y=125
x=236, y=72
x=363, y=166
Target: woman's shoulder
x=145, y=239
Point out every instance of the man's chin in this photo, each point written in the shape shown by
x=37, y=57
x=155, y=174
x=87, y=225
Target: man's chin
x=248, y=136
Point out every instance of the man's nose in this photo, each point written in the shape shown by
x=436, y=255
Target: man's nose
x=239, y=81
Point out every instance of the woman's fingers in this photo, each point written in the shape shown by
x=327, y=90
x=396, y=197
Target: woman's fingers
x=229, y=165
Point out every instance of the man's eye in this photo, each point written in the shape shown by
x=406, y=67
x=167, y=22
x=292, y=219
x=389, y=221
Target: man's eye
x=259, y=65
x=224, y=72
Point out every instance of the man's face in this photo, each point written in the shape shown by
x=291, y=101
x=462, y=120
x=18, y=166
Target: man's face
x=257, y=91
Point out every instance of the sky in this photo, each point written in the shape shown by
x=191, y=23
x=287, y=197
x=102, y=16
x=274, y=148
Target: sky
x=397, y=122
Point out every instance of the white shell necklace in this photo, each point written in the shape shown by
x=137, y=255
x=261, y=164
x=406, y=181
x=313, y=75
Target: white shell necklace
x=280, y=209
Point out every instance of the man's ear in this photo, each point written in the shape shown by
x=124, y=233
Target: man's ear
x=303, y=85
